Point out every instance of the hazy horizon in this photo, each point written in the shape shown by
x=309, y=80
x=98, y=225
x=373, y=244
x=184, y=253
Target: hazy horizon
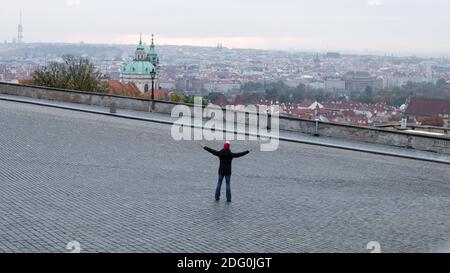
x=403, y=27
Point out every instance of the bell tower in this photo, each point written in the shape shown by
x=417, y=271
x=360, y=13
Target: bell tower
x=20, y=30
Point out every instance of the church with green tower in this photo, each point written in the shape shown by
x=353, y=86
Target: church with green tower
x=143, y=69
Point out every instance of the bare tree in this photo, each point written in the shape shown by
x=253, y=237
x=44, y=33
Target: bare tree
x=75, y=73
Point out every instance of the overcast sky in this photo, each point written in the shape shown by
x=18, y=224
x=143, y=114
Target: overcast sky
x=391, y=26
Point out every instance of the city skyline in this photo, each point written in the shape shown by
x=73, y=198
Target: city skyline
x=367, y=26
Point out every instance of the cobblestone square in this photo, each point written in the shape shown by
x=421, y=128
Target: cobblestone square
x=118, y=185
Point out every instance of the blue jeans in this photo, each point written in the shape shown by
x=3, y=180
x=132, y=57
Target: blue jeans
x=219, y=187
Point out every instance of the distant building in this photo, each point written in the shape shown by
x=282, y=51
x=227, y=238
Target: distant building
x=293, y=83
x=223, y=86
x=143, y=70
x=399, y=79
x=334, y=85
x=317, y=85
x=167, y=84
x=333, y=55
x=356, y=81
x=419, y=109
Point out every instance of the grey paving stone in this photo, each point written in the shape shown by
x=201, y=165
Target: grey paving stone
x=118, y=185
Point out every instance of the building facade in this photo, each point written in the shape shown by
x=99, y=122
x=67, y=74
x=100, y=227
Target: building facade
x=334, y=85
x=359, y=81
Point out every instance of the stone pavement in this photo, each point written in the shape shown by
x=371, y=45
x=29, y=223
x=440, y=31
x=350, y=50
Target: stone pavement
x=283, y=135
x=118, y=185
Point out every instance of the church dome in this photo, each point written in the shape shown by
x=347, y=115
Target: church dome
x=139, y=67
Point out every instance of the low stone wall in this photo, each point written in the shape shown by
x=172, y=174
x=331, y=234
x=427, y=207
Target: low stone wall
x=365, y=134
x=417, y=141
x=74, y=96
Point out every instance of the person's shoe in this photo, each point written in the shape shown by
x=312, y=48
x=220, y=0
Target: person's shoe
x=217, y=200
x=228, y=201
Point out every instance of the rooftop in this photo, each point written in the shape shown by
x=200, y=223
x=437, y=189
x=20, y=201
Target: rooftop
x=428, y=107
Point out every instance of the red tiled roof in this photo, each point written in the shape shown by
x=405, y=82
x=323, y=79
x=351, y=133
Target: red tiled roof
x=238, y=100
x=131, y=90
x=123, y=89
x=221, y=100
x=305, y=103
x=25, y=82
x=159, y=94
x=428, y=107
x=351, y=105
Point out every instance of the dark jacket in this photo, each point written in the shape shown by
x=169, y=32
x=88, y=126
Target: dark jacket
x=225, y=156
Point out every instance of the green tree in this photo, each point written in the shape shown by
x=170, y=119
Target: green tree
x=191, y=100
x=176, y=97
x=367, y=96
x=272, y=94
x=252, y=97
x=252, y=86
x=441, y=84
x=75, y=73
x=213, y=96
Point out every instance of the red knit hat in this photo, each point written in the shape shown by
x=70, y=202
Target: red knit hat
x=226, y=146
